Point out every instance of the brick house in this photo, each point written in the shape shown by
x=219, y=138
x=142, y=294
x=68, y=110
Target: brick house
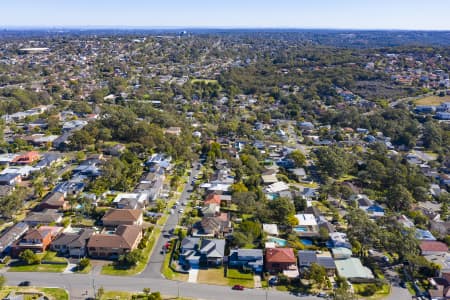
x=37, y=239
x=54, y=200
x=281, y=260
x=116, y=217
x=126, y=238
x=26, y=158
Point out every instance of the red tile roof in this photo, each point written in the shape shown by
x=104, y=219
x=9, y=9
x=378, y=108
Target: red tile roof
x=433, y=246
x=280, y=255
x=212, y=199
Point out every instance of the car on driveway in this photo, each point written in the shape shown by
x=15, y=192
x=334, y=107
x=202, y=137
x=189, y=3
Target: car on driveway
x=238, y=287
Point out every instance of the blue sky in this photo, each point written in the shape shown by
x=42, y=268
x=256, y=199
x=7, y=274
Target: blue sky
x=358, y=14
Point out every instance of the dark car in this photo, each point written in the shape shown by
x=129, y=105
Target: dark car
x=25, y=283
x=238, y=287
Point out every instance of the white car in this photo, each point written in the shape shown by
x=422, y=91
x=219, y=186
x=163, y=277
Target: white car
x=181, y=210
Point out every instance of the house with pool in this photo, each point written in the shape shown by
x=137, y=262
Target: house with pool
x=307, y=226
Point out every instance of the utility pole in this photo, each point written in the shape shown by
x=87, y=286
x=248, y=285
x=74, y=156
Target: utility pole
x=93, y=287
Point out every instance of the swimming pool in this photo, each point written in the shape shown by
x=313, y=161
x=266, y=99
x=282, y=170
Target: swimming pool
x=272, y=196
x=278, y=241
x=306, y=242
x=299, y=229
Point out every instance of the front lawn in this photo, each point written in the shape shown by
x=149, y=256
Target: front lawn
x=236, y=277
x=51, y=256
x=362, y=288
x=212, y=276
x=50, y=263
x=216, y=276
x=86, y=270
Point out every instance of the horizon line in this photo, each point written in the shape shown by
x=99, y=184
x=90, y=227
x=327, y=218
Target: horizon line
x=176, y=27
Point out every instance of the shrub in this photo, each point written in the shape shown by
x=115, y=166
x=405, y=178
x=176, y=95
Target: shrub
x=29, y=257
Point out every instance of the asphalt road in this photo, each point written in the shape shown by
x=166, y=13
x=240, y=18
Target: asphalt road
x=82, y=286
x=153, y=269
x=78, y=284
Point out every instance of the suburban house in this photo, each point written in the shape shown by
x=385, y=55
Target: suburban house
x=375, y=211
x=212, y=226
x=252, y=259
x=212, y=252
x=26, y=158
x=281, y=260
x=211, y=210
x=306, y=258
x=45, y=217
x=72, y=243
x=339, y=240
x=307, y=225
x=433, y=248
x=37, y=239
x=205, y=252
x=212, y=199
x=299, y=173
x=54, y=200
x=116, y=217
x=11, y=236
x=341, y=253
x=271, y=229
x=131, y=200
x=111, y=245
x=352, y=269
x=10, y=178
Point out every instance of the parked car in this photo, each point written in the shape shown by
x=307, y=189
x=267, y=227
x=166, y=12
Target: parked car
x=238, y=287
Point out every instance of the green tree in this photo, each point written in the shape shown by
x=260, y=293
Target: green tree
x=299, y=203
x=298, y=158
x=29, y=257
x=399, y=198
x=318, y=274
x=245, y=201
x=281, y=209
x=361, y=230
x=131, y=258
x=333, y=161
x=83, y=263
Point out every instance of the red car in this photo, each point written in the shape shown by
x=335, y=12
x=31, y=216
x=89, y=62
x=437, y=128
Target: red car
x=238, y=287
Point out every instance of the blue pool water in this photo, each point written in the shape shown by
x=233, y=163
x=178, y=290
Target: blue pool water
x=278, y=241
x=299, y=229
x=306, y=242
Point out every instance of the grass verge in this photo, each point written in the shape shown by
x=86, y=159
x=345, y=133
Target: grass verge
x=54, y=268
x=34, y=292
